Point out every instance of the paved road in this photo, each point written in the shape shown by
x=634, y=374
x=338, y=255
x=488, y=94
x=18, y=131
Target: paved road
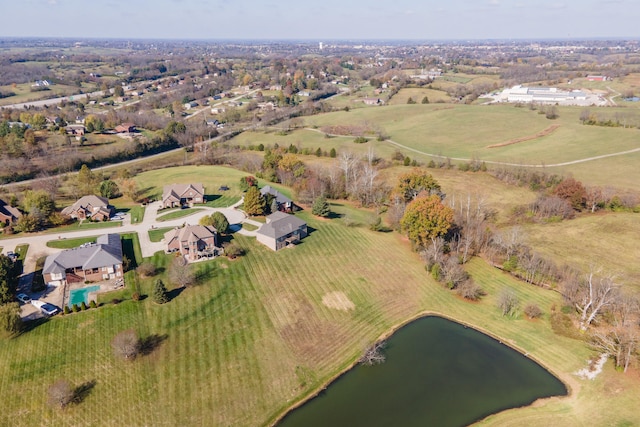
x=53, y=101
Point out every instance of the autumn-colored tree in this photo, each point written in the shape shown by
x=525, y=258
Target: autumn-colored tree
x=426, y=218
x=412, y=183
x=573, y=191
x=254, y=203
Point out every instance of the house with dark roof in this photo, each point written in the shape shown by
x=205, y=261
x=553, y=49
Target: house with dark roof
x=281, y=230
x=8, y=214
x=91, y=207
x=177, y=195
x=284, y=203
x=94, y=262
x=192, y=241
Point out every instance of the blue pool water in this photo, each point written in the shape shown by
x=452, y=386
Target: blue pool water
x=76, y=296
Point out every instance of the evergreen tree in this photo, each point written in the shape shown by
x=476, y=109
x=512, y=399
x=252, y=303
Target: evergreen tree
x=220, y=222
x=8, y=279
x=332, y=153
x=321, y=207
x=160, y=293
x=254, y=203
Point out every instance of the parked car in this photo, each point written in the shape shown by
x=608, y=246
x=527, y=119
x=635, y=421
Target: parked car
x=23, y=298
x=49, y=309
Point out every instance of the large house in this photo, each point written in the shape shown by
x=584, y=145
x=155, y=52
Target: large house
x=284, y=203
x=94, y=262
x=125, y=128
x=8, y=214
x=281, y=230
x=91, y=207
x=178, y=195
x=192, y=241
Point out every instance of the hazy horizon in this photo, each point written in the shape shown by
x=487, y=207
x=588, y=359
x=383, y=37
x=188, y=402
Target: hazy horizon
x=454, y=20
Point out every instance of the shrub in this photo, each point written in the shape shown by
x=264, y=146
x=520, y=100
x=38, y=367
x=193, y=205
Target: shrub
x=75, y=308
x=532, y=311
x=233, y=250
x=66, y=309
x=83, y=306
x=115, y=301
x=60, y=394
x=435, y=271
x=470, y=290
x=135, y=296
x=146, y=269
x=93, y=304
x=360, y=140
x=407, y=161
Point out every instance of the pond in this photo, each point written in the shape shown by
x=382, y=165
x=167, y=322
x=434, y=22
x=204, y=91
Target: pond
x=437, y=373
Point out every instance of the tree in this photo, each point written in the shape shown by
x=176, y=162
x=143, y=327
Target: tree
x=410, y=184
x=109, y=189
x=508, y=302
x=373, y=355
x=40, y=201
x=332, y=153
x=180, y=274
x=254, y=203
x=118, y=91
x=425, y=219
x=220, y=222
x=8, y=279
x=10, y=321
x=146, y=269
x=86, y=180
x=573, y=191
x=126, y=344
x=425, y=100
x=248, y=181
x=130, y=189
x=160, y=295
x=590, y=295
x=61, y=393
x=321, y=207
x=93, y=124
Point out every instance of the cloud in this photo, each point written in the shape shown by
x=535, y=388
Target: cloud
x=494, y=2
x=52, y=2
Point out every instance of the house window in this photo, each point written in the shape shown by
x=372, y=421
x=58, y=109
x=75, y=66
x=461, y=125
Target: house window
x=56, y=276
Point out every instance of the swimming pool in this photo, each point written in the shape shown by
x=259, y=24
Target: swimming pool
x=76, y=296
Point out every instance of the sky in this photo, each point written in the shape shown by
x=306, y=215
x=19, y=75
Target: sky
x=321, y=19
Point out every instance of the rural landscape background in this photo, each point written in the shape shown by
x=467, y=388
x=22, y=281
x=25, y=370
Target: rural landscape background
x=490, y=182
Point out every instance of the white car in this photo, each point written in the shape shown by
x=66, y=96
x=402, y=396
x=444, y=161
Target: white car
x=23, y=298
x=37, y=303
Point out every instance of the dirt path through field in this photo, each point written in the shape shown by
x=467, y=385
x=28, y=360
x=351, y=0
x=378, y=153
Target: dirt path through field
x=545, y=132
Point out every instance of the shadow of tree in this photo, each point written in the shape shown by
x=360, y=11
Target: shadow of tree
x=150, y=343
x=174, y=293
x=83, y=391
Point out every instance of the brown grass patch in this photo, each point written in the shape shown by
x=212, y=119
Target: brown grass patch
x=545, y=132
x=338, y=300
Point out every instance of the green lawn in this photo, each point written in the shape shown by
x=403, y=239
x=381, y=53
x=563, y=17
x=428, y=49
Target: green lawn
x=181, y=213
x=22, y=250
x=157, y=234
x=70, y=243
x=137, y=214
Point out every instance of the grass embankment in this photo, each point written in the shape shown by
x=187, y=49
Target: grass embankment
x=255, y=337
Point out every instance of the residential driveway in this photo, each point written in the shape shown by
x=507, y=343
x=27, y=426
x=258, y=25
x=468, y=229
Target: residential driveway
x=38, y=243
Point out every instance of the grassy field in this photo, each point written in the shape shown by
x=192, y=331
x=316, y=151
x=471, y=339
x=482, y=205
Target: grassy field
x=212, y=178
x=255, y=336
x=606, y=240
x=417, y=94
x=462, y=131
x=70, y=243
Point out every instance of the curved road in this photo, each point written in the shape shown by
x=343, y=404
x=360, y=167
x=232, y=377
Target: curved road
x=492, y=162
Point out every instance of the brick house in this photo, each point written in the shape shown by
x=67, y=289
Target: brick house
x=91, y=207
x=94, y=262
x=8, y=214
x=192, y=241
x=176, y=195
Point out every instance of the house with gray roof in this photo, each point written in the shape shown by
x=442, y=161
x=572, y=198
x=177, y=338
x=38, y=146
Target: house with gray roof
x=91, y=207
x=284, y=203
x=192, y=241
x=177, y=195
x=281, y=230
x=8, y=214
x=90, y=262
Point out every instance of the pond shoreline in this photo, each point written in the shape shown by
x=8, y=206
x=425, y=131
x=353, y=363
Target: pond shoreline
x=570, y=385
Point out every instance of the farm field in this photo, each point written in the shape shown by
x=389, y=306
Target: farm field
x=607, y=241
x=417, y=94
x=461, y=131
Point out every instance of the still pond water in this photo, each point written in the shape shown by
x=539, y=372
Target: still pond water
x=437, y=373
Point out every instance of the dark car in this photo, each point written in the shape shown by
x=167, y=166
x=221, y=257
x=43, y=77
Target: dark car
x=49, y=309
